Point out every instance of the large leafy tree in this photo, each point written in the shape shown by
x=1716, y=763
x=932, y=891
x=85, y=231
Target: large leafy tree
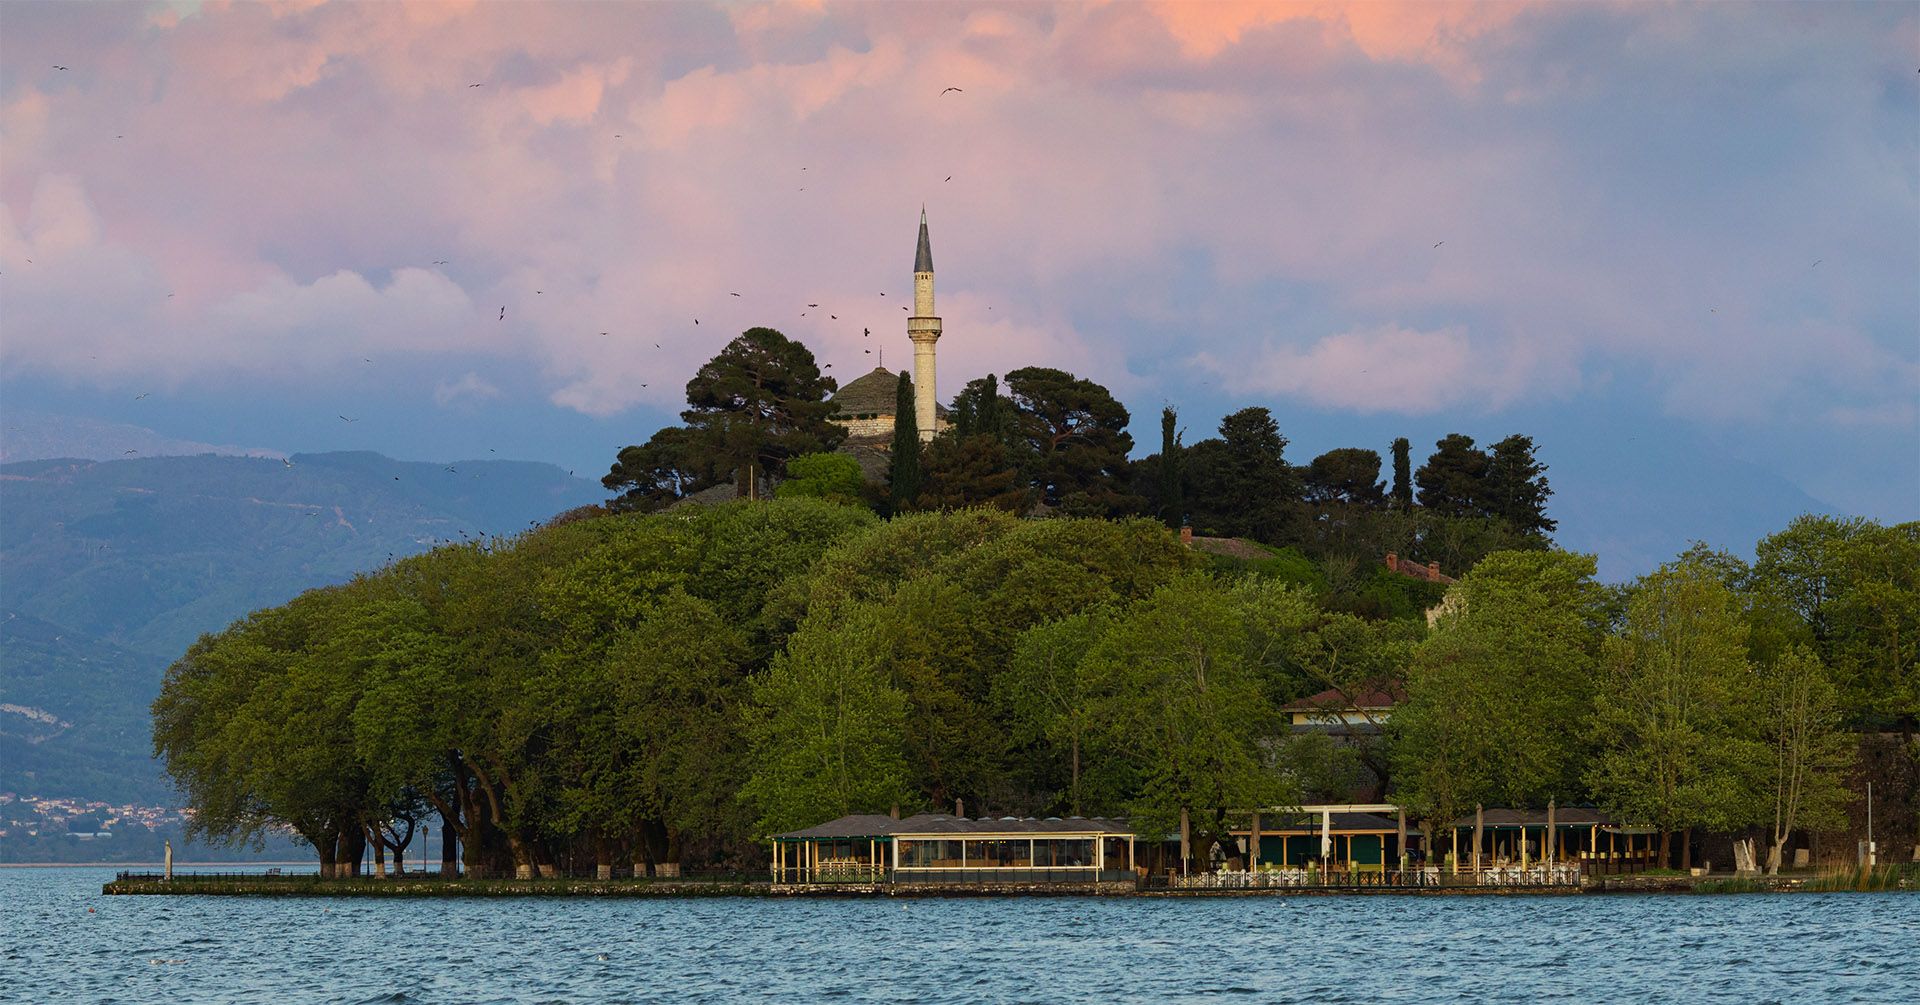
x=1667, y=718
x=1076, y=436
x=759, y=402
x=827, y=731
x=1348, y=476
x=1183, y=704
x=1452, y=481
x=670, y=466
x=823, y=476
x=1805, y=752
x=1497, y=693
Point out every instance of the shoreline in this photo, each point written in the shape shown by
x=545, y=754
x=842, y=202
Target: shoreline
x=312, y=886
x=177, y=864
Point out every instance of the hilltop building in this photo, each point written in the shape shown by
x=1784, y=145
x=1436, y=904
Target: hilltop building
x=866, y=404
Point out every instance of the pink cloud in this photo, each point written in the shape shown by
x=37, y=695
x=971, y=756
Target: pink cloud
x=293, y=173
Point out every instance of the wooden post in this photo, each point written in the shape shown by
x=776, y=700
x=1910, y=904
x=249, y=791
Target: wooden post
x=1546, y=847
x=1185, y=835
x=1456, y=849
x=1253, y=845
x=1479, y=829
x=1402, y=843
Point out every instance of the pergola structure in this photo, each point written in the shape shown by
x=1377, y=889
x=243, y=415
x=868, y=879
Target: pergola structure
x=1501, y=836
x=935, y=848
x=1347, y=837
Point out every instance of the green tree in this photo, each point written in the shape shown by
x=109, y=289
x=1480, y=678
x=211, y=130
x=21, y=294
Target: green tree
x=826, y=731
x=823, y=476
x=1515, y=488
x=1806, y=753
x=1452, y=481
x=1049, y=695
x=1075, y=432
x=1184, y=706
x=1171, y=480
x=1402, y=474
x=903, y=470
x=670, y=466
x=1498, y=693
x=975, y=470
x=761, y=401
x=1667, y=715
x=1241, y=484
x=1348, y=475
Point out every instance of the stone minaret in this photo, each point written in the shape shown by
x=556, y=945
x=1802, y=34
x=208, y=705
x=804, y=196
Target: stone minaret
x=924, y=329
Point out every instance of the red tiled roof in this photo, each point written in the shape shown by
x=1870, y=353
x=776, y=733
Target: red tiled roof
x=1332, y=700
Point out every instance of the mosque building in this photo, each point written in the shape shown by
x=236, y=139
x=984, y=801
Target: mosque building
x=866, y=404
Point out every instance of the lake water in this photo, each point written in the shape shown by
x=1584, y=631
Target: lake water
x=1750, y=949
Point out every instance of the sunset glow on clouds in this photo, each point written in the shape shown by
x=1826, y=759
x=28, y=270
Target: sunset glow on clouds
x=1215, y=204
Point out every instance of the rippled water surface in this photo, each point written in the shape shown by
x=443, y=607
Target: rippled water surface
x=1749, y=949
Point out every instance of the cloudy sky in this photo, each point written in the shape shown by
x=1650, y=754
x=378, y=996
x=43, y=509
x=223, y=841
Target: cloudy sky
x=1677, y=244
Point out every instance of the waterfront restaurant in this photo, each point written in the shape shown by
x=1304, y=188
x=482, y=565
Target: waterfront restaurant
x=1507, y=837
x=938, y=849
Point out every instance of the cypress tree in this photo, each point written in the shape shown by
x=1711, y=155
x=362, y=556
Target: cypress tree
x=1173, y=503
x=903, y=474
x=1402, y=474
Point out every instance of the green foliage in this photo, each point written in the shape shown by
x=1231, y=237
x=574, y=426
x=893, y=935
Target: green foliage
x=1241, y=483
x=751, y=408
x=826, y=731
x=1074, y=433
x=673, y=464
x=1803, y=750
x=976, y=470
x=1171, y=494
x=1450, y=481
x=903, y=469
x=1182, y=705
x=1516, y=486
x=832, y=476
x=1402, y=493
x=1349, y=476
x=1667, y=718
x=1495, y=694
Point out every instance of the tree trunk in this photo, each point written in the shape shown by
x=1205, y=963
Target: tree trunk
x=379, y=851
x=671, y=867
x=1686, y=849
x=449, y=850
x=1774, y=853
x=602, y=857
x=1666, y=849
x=326, y=843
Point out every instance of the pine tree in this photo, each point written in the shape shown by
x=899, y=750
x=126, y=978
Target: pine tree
x=1516, y=489
x=1402, y=474
x=1173, y=503
x=903, y=474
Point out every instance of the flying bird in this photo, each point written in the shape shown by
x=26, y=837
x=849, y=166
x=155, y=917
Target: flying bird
x=733, y=294
x=503, y=312
x=835, y=317
x=866, y=333
x=955, y=90
x=867, y=351
x=59, y=67
x=142, y=394
x=1438, y=243
x=695, y=321
x=345, y=419
x=949, y=177
x=1816, y=262
x=813, y=305
x=125, y=452
x=287, y=461
x=477, y=85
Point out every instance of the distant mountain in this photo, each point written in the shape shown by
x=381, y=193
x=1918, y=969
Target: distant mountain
x=109, y=570
x=39, y=436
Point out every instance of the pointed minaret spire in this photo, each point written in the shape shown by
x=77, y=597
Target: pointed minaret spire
x=923, y=255
x=924, y=329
